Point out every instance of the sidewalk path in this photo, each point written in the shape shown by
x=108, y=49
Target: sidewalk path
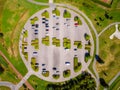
x=15, y=70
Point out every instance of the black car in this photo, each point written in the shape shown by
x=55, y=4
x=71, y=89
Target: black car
x=47, y=29
x=43, y=64
x=54, y=68
x=43, y=19
x=75, y=49
x=44, y=69
x=36, y=33
x=36, y=63
x=36, y=25
x=43, y=22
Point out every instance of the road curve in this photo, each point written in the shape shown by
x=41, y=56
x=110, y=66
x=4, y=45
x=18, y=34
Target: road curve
x=7, y=84
x=106, y=28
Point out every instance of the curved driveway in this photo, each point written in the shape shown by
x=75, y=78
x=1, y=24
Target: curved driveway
x=106, y=28
x=7, y=84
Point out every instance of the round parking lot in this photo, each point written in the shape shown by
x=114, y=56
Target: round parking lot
x=56, y=44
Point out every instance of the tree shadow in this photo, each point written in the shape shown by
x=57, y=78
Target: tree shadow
x=103, y=83
x=99, y=60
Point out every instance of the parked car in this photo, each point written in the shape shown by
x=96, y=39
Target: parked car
x=54, y=68
x=67, y=63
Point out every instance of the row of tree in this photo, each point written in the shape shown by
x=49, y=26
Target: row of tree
x=83, y=81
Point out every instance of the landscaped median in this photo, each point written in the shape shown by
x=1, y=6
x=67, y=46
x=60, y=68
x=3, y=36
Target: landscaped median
x=66, y=73
x=77, y=65
x=45, y=73
x=45, y=14
x=66, y=43
x=78, y=44
x=35, y=43
x=33, y=20
x=56, y=12
x=56, y=76
x=34, y=65
x=66, y=14
x=24, y=46
x=56, y=42
x=46, y=41
x=77, y=20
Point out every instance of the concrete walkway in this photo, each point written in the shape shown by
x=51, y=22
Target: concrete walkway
x=116, y=33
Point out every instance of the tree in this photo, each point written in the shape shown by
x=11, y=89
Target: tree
x=87, y=37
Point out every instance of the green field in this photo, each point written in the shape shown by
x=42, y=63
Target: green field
x=109, y=52
x=43, y=1
x=14, y=16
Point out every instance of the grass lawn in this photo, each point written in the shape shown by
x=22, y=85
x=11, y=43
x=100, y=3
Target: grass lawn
x=17, y=62
x=91, y=67
x=37, y=83
x=14, y=16
x=109, y=52
x=118, y=4
x=43, y=1
x=9, y=76
x=4, y=88
x=115, y=85
x=2, y=2
x=3, y=62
